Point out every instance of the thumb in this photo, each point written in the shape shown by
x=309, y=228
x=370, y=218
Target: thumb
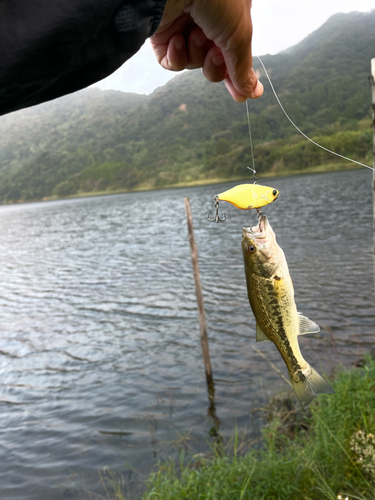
x=228, y=24
x=242, y=81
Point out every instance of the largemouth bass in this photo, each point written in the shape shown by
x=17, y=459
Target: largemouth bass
x=271, y=296
x=248, y=196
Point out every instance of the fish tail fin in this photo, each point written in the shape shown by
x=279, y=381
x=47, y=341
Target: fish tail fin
x=311, y=386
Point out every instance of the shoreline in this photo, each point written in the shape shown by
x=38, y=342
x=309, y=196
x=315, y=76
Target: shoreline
x=326, y=168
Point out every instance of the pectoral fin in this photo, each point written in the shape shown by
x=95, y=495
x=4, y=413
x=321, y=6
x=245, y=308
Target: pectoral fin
x=260, y=335
x=306, y=325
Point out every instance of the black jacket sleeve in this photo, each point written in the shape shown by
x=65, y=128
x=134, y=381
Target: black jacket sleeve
x=49, y=48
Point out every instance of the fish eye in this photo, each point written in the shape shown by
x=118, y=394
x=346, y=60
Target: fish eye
x=274, y=192
x=251, y=248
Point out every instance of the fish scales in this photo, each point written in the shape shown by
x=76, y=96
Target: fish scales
x=270, y=300
x=271, y=297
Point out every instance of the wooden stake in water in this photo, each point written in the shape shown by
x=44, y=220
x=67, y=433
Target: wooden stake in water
x=198, y=292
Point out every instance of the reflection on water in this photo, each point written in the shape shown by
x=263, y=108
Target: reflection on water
x=100, y=355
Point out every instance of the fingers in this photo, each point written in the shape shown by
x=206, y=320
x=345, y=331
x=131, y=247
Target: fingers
x=228, y=24
x=214, y=67
x=169, y=44
x=214, y=35
x=175, y=56
x=199, y=53
x=203, y=53
x=198, y=45
x=175, y=53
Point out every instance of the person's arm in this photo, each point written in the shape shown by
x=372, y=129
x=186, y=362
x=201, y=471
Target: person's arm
x=49, y=48
x=214, y=35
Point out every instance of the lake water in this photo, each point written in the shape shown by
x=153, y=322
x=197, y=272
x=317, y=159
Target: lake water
x=100, y=358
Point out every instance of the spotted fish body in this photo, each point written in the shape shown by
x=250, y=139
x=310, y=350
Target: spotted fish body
x=271, y=296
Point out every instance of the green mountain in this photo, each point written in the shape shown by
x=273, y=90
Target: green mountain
x=191, y=130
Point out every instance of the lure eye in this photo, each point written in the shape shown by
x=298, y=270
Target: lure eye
x=251, y=248
x=274, y=192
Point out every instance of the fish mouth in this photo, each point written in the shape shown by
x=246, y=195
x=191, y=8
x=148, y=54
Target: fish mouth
x=258, y=231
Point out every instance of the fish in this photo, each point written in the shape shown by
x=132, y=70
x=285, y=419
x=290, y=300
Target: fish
x=248, y=196
x=271, y=296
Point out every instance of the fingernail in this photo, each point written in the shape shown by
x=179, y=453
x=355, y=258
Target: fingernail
x=218, y=60
x=178, y=43
x=258, y=89
x=200, y=40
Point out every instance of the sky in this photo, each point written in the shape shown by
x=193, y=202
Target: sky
x=277, y=26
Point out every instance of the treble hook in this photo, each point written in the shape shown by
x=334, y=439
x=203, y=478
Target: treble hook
x=216, y=218
x=259, y=215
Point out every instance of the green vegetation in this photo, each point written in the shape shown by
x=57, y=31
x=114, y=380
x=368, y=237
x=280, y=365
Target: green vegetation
x=314, y=456
x=191, y=130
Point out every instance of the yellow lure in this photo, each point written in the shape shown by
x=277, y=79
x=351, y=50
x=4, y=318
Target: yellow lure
x=247, y=196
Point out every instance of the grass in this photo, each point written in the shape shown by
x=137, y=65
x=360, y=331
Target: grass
x=304, y=456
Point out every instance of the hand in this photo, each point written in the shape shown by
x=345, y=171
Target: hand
x=214, y=35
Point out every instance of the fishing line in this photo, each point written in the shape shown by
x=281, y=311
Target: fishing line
x=259, y=213
x=251, y=145
x=300, y=131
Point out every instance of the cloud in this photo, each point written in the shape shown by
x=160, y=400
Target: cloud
x=280, y=25
x=141, y=74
